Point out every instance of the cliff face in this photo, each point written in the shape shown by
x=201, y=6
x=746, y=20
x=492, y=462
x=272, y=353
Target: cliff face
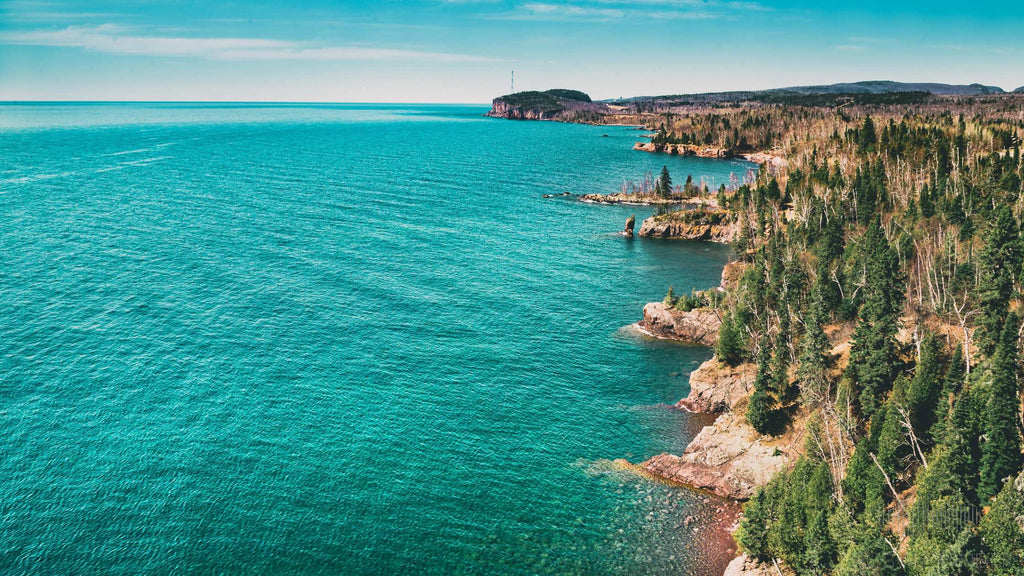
x=716, y=387
x=686, y=150
x=502, y=109
x=745, y=566
x=730, y=458
x=566, y=105
x=683, y=226
x=698, y=326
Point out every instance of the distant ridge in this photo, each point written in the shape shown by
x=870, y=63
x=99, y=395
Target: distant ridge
x=1019, y=90
x=863, y=87
x=885, y=86
x=575, y=106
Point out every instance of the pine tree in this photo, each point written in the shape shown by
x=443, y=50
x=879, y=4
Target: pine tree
x=1000, y=263
x=664, y=186
x=729, y=348
x=923, y=395
x=670, y=298
x=1002, y=532
x=1001, y=457
x=873, y=358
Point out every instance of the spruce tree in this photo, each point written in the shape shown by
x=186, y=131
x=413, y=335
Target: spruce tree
x=923, y=396
x=1002, y=532
x=664, y=186
x=729, y=348
x=1000, y=453
x=873, y=357
x=1000, y=263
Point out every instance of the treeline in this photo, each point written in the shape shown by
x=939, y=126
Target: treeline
x=880, y=304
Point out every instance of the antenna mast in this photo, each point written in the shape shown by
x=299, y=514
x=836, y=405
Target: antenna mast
x=513, y=90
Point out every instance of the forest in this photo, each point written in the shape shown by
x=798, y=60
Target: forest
x=881, y=304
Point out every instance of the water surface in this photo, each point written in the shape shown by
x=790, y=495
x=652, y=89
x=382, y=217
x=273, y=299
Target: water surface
x=334, y=340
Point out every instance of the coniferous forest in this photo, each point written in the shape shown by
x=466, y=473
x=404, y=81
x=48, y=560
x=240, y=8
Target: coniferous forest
x=881, y=304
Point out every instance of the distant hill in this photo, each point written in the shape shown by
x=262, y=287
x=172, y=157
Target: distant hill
x=886, y=86
x=856, y=91
x=1019, y=90
x=555, y=104
x=575, y=106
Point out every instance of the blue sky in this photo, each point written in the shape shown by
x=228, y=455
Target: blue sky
x=464, y=50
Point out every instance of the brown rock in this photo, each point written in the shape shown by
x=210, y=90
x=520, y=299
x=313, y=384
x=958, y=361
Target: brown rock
x=699, y=326
x=747, y=566
x=729, y=458
x=716, y=386
x=732, y=273
x=668, y=226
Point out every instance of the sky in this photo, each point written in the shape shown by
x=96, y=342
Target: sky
x=464, y=51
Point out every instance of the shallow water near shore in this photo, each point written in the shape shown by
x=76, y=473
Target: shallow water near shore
x=300, y=339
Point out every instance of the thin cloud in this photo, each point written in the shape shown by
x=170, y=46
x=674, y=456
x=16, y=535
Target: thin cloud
x=609, y=10
x=113, y=39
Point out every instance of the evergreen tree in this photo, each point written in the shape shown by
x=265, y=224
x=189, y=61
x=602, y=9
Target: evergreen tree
x=664, y=186
x=1000, y=263
x=1001, y=457
x=1003, y=533
x=923, y=396
x=873, y=355
x=729, y=348
x=670, y=298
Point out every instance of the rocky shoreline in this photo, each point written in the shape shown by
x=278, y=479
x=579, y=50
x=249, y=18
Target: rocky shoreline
x=700, y=224
x=772, y=159
x=727, y=458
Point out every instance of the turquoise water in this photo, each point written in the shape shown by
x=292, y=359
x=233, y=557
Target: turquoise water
x=334, y=340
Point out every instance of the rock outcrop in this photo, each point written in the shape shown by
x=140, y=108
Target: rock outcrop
x=630, y=223
x=729, y=458
x=716, y=387
x=731, y=274
x=565, y=105
x=690, y=225
x=698, y=326
x=685, y=150
x=746, y=566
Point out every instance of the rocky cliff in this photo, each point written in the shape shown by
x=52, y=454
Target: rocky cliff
x=714, y=226
x=730, y=458
x=698, y=326
x=746, y=566
x=565, y=105
x=685, y=150
x=716, y=387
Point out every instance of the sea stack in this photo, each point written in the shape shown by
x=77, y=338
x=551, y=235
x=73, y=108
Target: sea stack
x=630, y=223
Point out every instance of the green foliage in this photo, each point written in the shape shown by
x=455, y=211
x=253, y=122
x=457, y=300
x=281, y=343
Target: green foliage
x=1002, y=531
x=664, y=186
x=923, y=396
x=1000, y=264
x=870, y=555
x=670, y=298
x=730, y=345
x=873, y=355
x=1001, y=457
